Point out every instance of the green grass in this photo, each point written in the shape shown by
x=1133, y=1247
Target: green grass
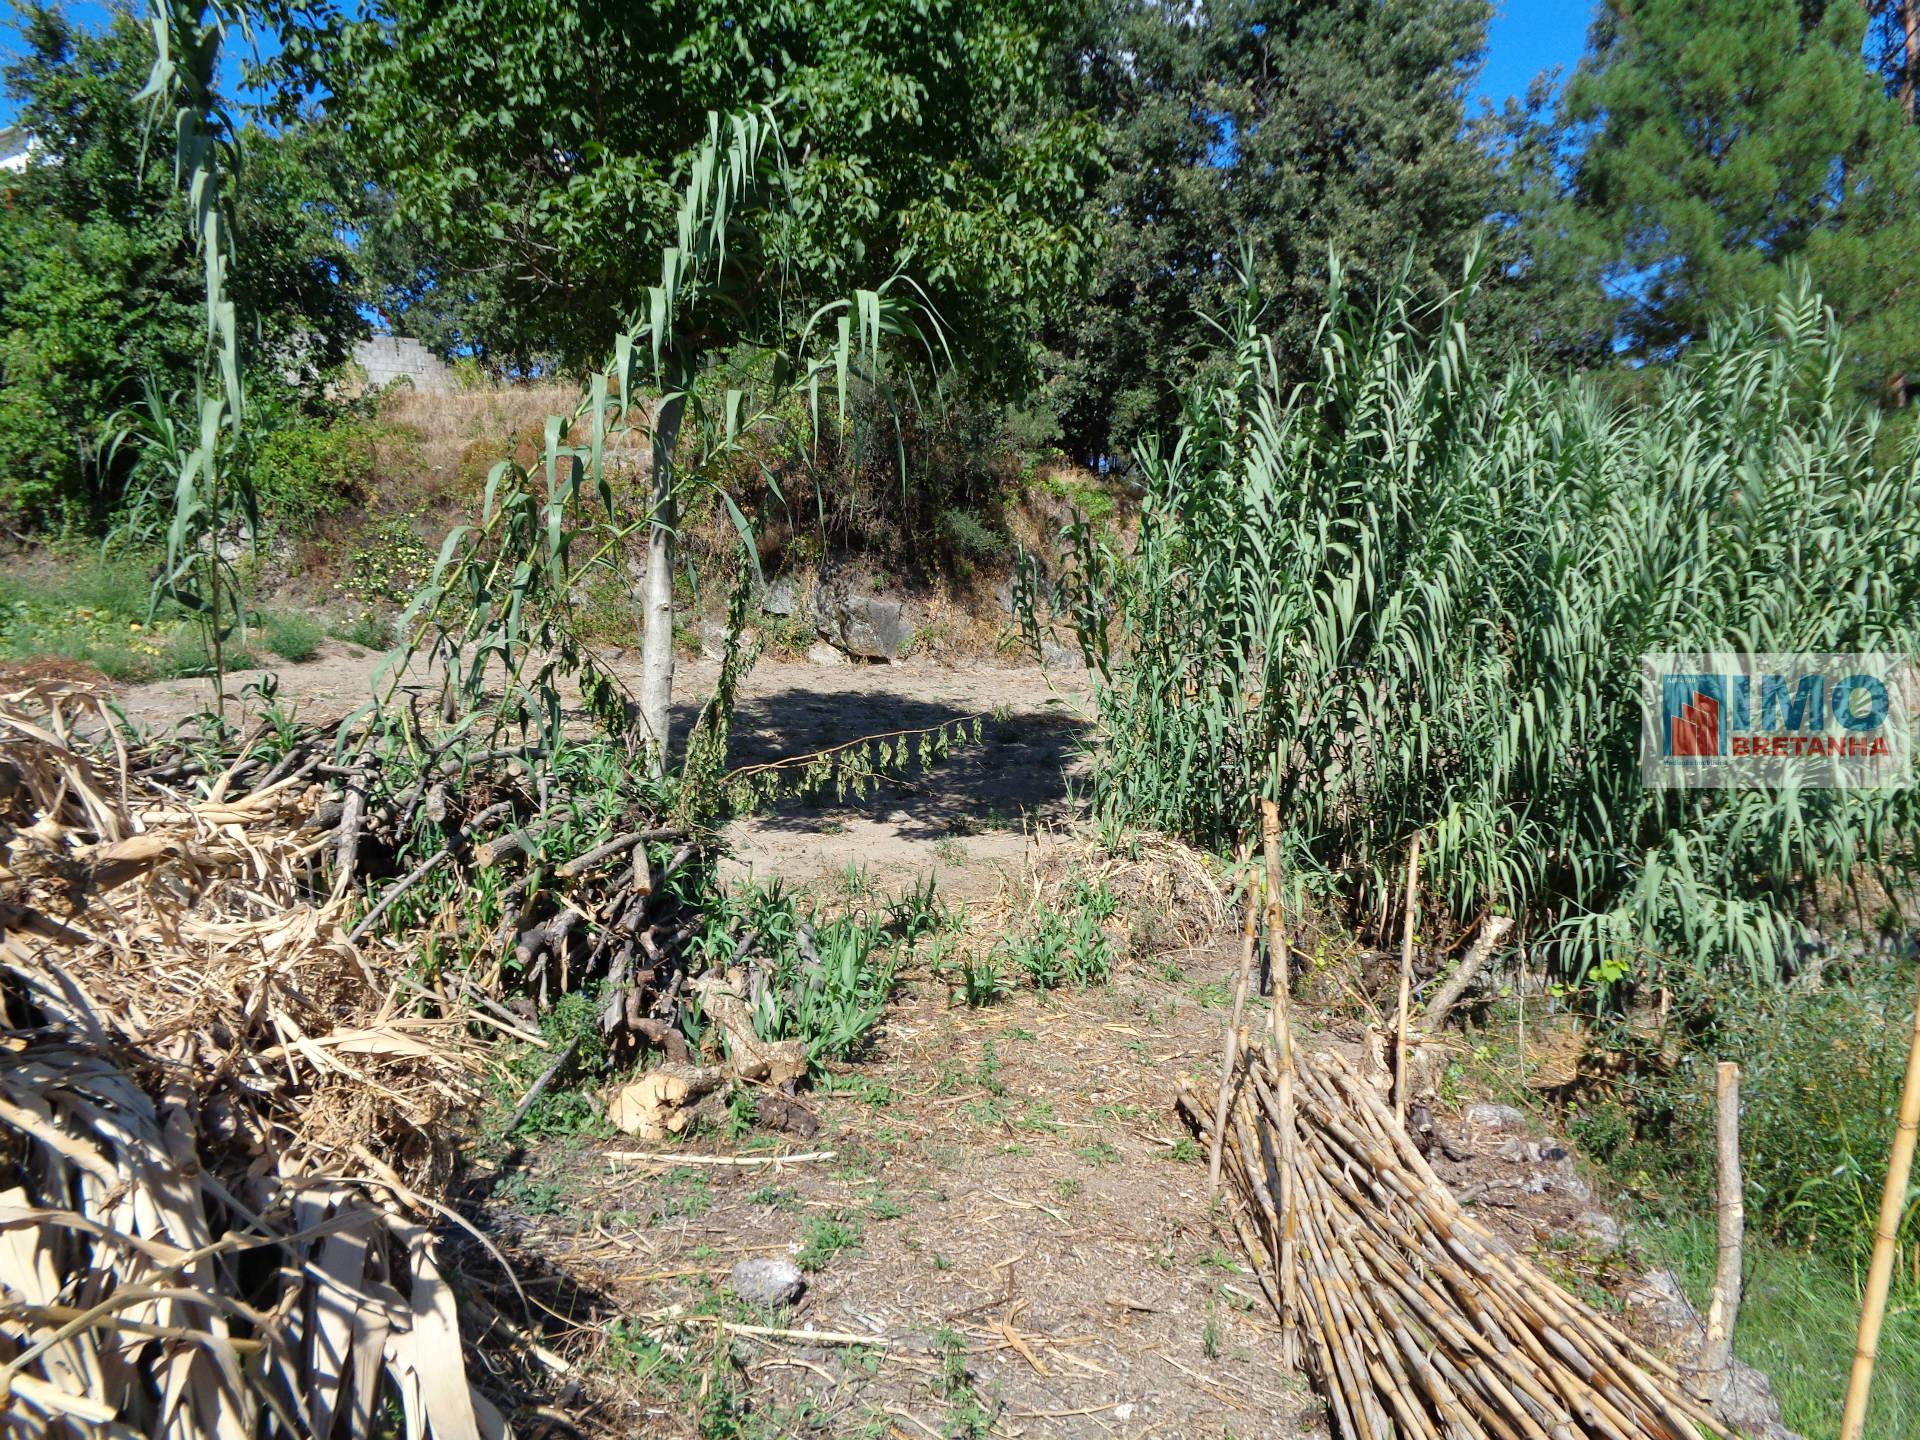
x=1797, y=1323
x=102, y=613
x=95, y=613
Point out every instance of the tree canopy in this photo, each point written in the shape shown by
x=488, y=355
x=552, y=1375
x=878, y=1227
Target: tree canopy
x=531, y=158
x=1290, y=132
x=99, y=284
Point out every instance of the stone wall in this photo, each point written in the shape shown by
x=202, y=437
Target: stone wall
x=386, y=358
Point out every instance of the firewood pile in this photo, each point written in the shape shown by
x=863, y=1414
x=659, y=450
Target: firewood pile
x=1414, y=1319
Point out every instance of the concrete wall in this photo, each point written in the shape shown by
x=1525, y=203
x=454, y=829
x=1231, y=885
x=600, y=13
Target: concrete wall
x=386, y=358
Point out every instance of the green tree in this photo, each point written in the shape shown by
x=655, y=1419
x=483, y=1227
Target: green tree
x=1726, y=143
x=100, y=282
x=1291, y=131
x=534, y=156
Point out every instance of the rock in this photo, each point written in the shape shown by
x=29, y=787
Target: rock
x=1743, y=1397
x=1665, y=1303
x=1747, y=1404
x=1060, y=657
x=771, y=1283
x=821, y=653
x=713, y=639
x=1003, y=595
x=781, y=597
x=871, y=628
x=1574, y=1188
x=1602, y=1229
x=1493, y=1117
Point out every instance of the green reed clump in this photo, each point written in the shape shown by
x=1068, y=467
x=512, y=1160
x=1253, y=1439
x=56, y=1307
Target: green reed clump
x=1412, y=597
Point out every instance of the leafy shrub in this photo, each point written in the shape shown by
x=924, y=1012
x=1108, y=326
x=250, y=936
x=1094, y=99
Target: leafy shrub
x=294, y=638
x=366, y=630
x=306, y=469
x=389, y=567
x=1412, y=597
x=1819, y=1092
x=969, y=537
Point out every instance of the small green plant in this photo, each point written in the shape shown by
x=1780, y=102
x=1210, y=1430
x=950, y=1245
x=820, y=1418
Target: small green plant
x=823, y=1239
x=917, y=914
x=987, y=1073
x=689, y=1194
x=967, y=1417
x=1069, y=946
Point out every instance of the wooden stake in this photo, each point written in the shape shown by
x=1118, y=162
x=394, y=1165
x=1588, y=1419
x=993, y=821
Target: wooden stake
x=1249, y=929
x=1873, y=1313
x=1282, y=1019
x=1723, y=1314
x=1406, y=985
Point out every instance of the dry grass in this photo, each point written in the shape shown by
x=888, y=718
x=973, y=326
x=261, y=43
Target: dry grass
x=212, y=1122
x=442, y=417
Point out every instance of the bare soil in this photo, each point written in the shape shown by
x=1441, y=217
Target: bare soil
x=965, y=824
x=1004, y=1210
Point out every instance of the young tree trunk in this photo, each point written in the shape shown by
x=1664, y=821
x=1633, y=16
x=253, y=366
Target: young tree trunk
x=1886, y=1238
x=656, y=621
x=1716, y=1357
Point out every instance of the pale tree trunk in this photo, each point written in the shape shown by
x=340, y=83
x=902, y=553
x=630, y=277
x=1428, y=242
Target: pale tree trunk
x=1910, y=35
x=1723, y=1315
x=656, y=619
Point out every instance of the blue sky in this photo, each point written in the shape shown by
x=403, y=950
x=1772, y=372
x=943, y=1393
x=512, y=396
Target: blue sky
x=1528, y=36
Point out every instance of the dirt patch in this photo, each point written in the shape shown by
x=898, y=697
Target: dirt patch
x=965, y=821
x=1010, y=1211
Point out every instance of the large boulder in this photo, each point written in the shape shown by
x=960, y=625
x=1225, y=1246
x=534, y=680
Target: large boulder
x=781, y=597
x=869, y=627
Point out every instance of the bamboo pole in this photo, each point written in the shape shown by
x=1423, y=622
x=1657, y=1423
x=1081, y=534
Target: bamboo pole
x=1716, y=1356
x=1281, y=968
x=1406, y=985
x=1873, y=1313
x=1249, y=929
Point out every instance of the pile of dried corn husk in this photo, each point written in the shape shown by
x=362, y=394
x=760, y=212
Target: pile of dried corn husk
x=1418, y=1322
x=213, y=1117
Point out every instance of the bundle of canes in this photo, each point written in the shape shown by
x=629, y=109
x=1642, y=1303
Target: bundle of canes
x=1417, y=1320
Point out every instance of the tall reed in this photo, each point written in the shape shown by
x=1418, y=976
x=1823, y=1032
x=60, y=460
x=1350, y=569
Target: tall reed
x=1411, y=597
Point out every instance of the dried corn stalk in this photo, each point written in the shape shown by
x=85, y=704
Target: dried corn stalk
x=211, y=1111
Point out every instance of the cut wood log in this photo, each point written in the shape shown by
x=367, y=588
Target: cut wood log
x=1493, y=930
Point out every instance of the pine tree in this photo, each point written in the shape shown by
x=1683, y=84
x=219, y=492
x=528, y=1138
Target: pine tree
x=1728, y=142
x=1287, y=132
